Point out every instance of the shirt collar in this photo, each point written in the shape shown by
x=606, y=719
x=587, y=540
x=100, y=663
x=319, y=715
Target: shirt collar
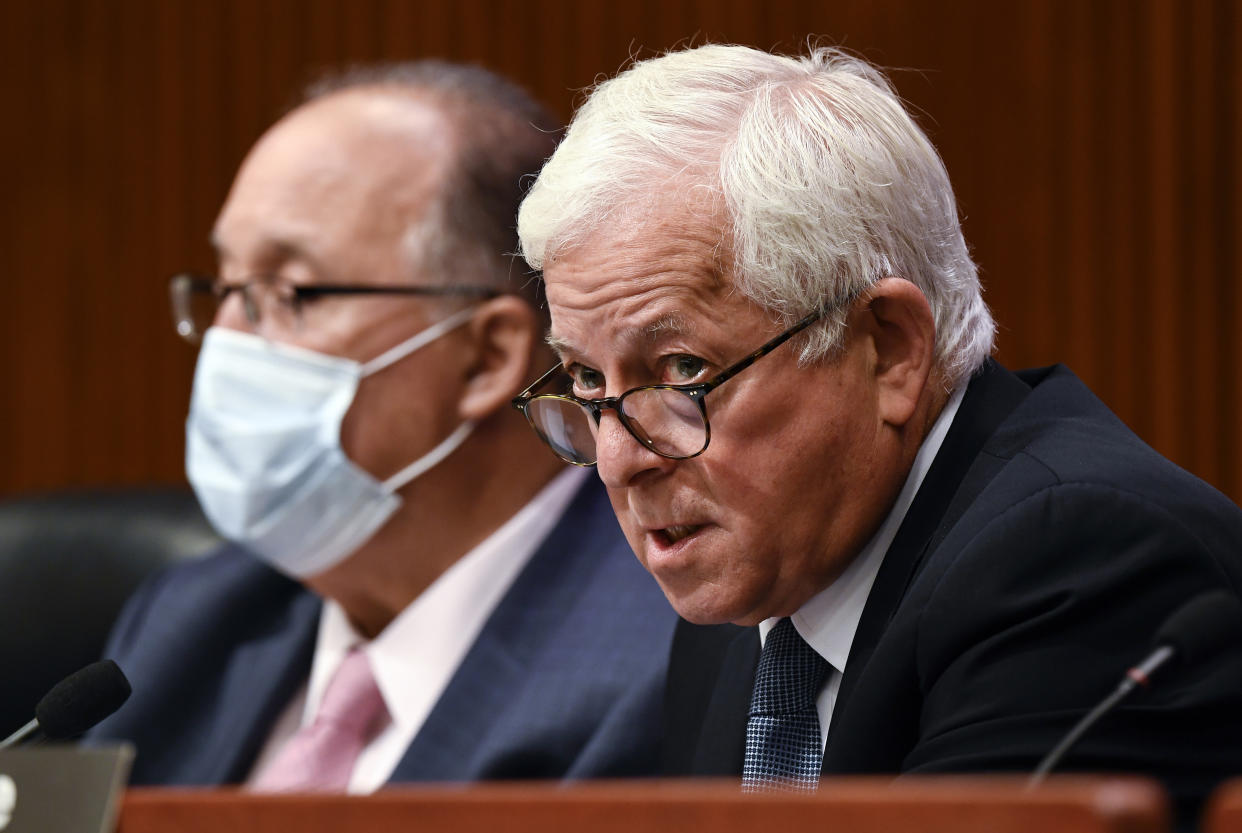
x=830, y=618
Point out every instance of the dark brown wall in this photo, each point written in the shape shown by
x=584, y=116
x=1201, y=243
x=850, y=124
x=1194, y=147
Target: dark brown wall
x=1094, y=147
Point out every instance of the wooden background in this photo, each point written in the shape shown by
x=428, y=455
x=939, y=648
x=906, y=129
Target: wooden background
x=1094, y=147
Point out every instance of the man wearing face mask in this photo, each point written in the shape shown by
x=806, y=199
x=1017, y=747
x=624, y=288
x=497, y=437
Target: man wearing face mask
x=415, y=590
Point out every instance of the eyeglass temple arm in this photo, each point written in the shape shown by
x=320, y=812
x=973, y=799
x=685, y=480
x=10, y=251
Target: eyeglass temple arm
x=525, y=396
x=731, y=371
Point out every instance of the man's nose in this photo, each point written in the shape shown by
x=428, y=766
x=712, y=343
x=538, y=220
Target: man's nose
x=621, y=459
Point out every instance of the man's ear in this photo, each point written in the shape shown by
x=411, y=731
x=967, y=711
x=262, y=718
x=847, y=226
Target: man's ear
x=504, y=332
x=904, y=335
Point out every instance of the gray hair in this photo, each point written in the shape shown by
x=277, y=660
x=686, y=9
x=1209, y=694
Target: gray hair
x=502, y=137
x=826, y=182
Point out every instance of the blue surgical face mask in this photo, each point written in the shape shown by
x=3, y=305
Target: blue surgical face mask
x=263, y=448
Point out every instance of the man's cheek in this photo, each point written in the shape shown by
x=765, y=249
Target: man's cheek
x=635, y=538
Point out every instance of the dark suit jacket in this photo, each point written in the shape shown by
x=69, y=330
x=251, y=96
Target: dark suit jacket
x=564, y=680
x=1045, y=547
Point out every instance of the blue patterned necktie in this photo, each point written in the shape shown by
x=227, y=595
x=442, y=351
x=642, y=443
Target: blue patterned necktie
x=783, y=748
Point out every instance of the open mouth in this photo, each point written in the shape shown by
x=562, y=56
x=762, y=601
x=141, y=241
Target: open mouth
x=671, y=535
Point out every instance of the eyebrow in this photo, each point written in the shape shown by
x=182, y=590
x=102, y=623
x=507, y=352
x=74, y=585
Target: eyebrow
x=669, y=324
x=559, y=346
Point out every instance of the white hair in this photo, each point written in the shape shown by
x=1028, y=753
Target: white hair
x=827, y=184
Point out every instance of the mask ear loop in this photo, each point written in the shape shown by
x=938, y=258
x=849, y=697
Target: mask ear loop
x=405, y=348
x=454, y=440
x=432, y=458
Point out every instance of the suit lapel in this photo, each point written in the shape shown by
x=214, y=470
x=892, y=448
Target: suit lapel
x=956, y=477
x=707, y=699
x=722, y=743
x=477, y=707
x=258, y=681
x=465, y=715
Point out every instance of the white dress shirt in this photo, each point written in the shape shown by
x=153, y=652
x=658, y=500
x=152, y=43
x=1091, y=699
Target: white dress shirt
x=414, y=658
x=829, y=620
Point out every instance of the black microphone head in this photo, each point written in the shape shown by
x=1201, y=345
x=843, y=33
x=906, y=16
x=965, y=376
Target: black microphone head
x=1203, y=626
x=82, y=699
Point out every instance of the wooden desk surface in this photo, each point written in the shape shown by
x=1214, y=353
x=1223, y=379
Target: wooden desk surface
x=857, y=805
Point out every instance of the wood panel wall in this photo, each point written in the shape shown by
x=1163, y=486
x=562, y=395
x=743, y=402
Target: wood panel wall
x=1094, y=145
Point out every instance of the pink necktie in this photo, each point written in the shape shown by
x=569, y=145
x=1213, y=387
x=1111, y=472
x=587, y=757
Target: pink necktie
x=320, y=757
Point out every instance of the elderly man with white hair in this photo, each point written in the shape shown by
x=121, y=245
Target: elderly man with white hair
x=773, y=347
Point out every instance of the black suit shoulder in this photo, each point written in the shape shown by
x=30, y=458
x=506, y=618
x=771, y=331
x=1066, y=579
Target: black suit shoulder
x=1047, y=587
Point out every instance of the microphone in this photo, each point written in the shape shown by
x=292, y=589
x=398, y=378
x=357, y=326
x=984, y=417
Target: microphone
x=75, y=704
x=1195, y=632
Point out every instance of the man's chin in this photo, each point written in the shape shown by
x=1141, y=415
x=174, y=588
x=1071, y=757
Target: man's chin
x=706, y=606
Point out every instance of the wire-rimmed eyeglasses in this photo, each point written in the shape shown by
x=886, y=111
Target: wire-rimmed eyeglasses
x=671, y=420
x=196, y=299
